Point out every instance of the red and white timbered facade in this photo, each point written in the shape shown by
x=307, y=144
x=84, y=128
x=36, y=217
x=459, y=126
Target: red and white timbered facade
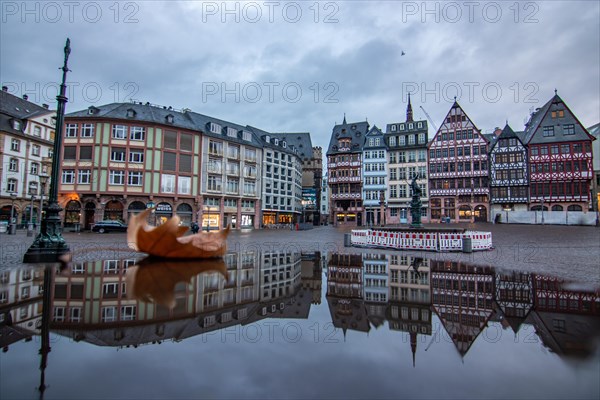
x=560, y=159
x=458, y=170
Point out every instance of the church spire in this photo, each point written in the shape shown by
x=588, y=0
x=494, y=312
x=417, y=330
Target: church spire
x=344, y=122
x=409, y=111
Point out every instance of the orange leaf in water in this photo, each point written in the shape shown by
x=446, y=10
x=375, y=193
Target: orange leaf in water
x=153, y=280
x=167, y=240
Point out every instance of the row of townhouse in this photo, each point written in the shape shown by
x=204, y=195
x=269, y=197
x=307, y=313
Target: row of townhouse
x=463, y=174
x=121, y=158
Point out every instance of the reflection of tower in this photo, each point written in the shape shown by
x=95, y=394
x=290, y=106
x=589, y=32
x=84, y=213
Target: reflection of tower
x=413, y=346
x=311, y=275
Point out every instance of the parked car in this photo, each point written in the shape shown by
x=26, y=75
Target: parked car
x=109, y=226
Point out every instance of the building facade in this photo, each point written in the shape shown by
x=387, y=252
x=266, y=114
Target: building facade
x=122, y=158
x=375, y=176
x=282, y=181
x=559, y=158
x=509, y=173
x=26, y=143
x=344, y=168
x=407, y=158
x=458, y=170
x=595, y=132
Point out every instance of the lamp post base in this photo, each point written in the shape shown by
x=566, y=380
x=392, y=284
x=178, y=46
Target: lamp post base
x=49, y=244
x=36, y=255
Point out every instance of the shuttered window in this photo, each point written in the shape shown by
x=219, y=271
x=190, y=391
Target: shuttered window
x=169, y=161
x=185, y=163
x=170, y=140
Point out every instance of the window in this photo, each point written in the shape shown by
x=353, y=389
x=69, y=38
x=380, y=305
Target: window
x=15, y=144
x=134, y=178
x=59, y=314
x=568, y=129
x=247, y=136
x=250, y=155
x=233, y=186
x=117, y=154
x=138, y=133
x=87, y=130
x=548, y=131
x=250, y=188
x=83, y=176
x=136, y=156
x=13, y=165
x=37, y=131
x=565, y=148
x=421, y=137
x=85, y=153
x=167, y=183
x=71, y=130
x=215, y=183
x=119, y=132
x=11, y=185
x=558, y=114
x=70, y=153
x=392, y=140
x=184, y=185
x=128, y=313
x=169, y=161
x=215, y=148
x=411, y=139
x=68, y=176
x=215, y=128
x=109, y=314
x=116, y=177
x=233, y=152
x=35, y=150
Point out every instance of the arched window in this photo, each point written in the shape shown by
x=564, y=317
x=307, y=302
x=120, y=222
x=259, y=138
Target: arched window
x=557, y=207
x=574, y=207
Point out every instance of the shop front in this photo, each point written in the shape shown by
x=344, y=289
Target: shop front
x=163, y=212
x=72, y=214
x=211, y=217
x=185, y=213
x=113, y=210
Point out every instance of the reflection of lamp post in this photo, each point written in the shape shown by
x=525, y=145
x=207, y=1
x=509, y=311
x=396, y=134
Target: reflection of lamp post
x=12, y=228
x=30, y=225
x=43, y=181
x=49, y=243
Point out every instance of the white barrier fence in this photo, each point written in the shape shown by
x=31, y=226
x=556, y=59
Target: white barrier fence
x=430, y=241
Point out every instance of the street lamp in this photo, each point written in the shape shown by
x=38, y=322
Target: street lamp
x=12, y=228
x=207, y=218
x=30, y=225
x=49, y=244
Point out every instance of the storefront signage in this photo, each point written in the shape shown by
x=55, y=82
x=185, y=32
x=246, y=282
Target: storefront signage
x=164, y=208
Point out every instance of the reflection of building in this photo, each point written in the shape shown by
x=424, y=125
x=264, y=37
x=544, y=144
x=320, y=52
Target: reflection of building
x=458, y=169
x=514, y=295
x=26, y=142
x=566, y=319
x=258, y=286
x=375, y=286
x=407, y=156
x=345, y=292
x=344, y=167
x=463, y=300
x=20, y=304
x=311, y=275
x=120, y=158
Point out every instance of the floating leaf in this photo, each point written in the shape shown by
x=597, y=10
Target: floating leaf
x=153, y=280
x=167, y=240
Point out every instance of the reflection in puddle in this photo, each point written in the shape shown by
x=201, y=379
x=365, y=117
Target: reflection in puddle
x=130, y=303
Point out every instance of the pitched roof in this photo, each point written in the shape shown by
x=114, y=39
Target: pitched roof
x=355, y=131
x=300, y=140
x=18, y=107
x=158, y=115
x=374, y=132
x=594, y=130
x=543, y=117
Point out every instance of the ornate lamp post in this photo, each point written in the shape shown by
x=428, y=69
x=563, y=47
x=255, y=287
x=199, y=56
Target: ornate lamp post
x=12, y=227
x=49, y=243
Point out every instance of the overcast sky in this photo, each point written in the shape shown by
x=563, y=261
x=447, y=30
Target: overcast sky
x=299, y=66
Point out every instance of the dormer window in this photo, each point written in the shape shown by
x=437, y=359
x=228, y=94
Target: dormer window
x=276, y=141
x=353, y=127
x=401, y=127
x=93, y=110
x=17, y=125
x=410, y=126
x=170, y=119
x=231, y=132
x=393, y=128
x=284, y=144
x=215, y=128
x=131, y=113
x=419, y=125
x=246, y=136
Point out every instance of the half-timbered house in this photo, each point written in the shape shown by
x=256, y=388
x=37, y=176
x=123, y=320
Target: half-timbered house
x=509, y=176
x=458, y=170
x=560, y=159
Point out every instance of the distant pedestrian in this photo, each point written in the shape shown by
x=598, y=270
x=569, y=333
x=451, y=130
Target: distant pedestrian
x=195, y=228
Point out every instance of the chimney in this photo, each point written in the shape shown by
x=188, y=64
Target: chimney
x=5, y=88
x=45, y=106
x=497, y=131
x=25, y=97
